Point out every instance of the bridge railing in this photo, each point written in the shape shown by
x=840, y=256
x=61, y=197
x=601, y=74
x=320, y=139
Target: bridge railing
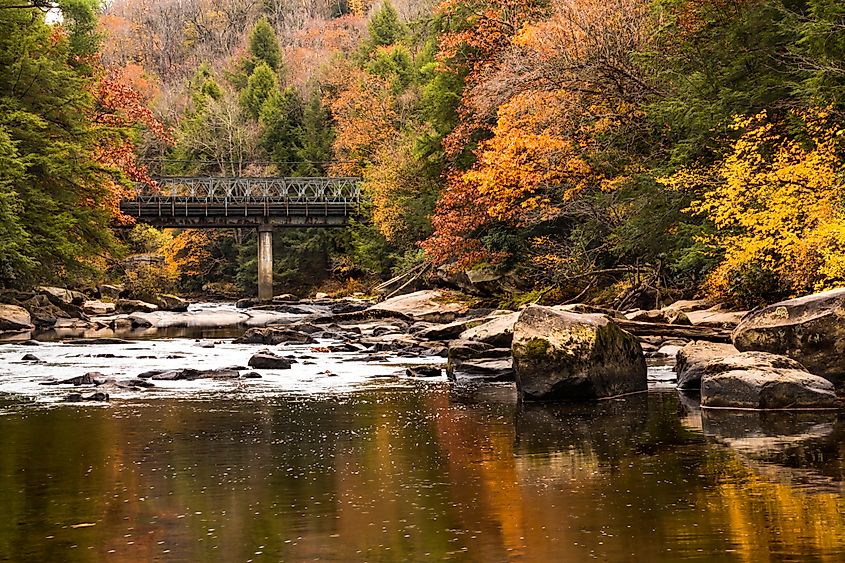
x=234, y=190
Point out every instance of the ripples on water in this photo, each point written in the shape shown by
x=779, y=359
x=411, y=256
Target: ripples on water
x=361, y=467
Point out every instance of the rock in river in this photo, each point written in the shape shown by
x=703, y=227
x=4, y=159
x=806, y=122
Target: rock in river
x=268, y=360
x=135, y=306
x=751, y=381
x=13, y=317
x=809, y=329
x=274, y=335
x=427, y=305
x=691, y=359
x=571, y=357
x=79, y=397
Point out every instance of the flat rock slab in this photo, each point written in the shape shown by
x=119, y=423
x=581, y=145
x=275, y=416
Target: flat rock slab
x=767, y=388
x=428, y=305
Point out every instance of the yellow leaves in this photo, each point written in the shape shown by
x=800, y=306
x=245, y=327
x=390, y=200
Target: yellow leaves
x=776, y=202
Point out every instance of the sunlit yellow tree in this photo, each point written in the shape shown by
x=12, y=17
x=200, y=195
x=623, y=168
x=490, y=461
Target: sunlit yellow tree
x=776, y=201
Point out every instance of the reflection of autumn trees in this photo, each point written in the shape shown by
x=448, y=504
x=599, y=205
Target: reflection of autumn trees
x=395, y=475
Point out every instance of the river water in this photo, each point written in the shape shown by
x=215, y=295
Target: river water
x=361, y=465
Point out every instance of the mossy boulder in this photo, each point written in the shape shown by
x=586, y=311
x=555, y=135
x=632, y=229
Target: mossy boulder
x=564, y=356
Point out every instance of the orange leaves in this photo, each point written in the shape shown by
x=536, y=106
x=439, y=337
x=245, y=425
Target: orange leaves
x=526, y=166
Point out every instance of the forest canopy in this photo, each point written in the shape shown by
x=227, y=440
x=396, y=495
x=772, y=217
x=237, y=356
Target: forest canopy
x=580, y=148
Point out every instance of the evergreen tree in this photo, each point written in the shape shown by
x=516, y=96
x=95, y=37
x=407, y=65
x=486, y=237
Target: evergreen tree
x=281, y=122
x=261, y=85
x=53, y=192
x=385, y=28
x=316, y=138
x=264, y=46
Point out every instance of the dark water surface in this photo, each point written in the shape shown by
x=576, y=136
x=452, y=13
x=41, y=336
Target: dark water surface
x=422, y=472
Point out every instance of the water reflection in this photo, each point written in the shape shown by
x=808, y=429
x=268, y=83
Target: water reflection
x=407, y=474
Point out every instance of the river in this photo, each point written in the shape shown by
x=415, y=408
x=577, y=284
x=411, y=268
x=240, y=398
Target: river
x=360, y=464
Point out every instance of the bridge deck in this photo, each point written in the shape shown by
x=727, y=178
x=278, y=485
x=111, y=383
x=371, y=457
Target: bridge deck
x=183, y=202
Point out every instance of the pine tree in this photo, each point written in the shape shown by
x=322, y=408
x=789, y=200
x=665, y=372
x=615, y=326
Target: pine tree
x=264, y=46
x=262, y=83
x=316, y=138
x=281, y=122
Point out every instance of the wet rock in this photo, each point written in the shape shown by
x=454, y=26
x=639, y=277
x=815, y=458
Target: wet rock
x=139, y=322
x=428, y=305
x=424, y=371
x=90, y=378
x=252, y=375
x=691, y=360
x=347, y=306
x=347, y=347
x=809, y=329
x=111, y=292
x=30, y=358
x=767, y=388
x=121, y=324
x=98, y=308
x=192, y=374
x=246, y=303
x=569, y=356
x=138, y=382
x=267, y=360
x=151, y=373
x=492, y=369
x=79, y=397
x=273, y=336
x=135, y=306
x=96, y=341
x=14, y=318
x=497, y=332
x=171, y=303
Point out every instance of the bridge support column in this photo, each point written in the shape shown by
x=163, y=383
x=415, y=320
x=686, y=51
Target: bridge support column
x=265, y=263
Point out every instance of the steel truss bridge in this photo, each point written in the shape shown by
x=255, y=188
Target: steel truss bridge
x=242, y=202
x=231, y=202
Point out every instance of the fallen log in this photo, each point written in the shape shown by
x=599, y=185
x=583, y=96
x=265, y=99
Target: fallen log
x=639, y=328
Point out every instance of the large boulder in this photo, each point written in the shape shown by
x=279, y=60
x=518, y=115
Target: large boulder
x=428, y=305
x=809, y=329
x=15, y=318
x=135, y=306
x=43, y=312
x=569, y=356
x=767, y=388
x=95, y=308
x=171, y=303
x=61, y=296
x=268, y=360
x=498, y=331
x=692, y=358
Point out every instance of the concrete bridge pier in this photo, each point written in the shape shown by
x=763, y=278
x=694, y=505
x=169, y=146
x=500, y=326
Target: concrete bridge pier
x=265, y=262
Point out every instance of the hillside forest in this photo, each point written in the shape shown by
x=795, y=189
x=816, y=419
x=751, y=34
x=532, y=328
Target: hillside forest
x=574, y=149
